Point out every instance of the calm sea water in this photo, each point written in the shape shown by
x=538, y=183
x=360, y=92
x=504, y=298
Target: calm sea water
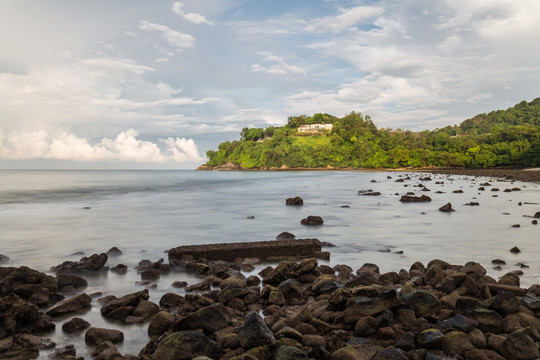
x=44, y=220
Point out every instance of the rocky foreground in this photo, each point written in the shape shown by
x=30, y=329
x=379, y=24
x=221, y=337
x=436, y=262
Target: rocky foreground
x=295, y=310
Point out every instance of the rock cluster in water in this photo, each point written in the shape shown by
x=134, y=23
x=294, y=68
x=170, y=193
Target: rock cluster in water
x=295, y=310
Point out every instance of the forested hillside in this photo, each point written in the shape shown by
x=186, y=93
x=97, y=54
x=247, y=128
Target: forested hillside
x=499, y=138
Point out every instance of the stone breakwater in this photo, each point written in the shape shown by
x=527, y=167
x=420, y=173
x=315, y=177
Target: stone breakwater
x=295, y=310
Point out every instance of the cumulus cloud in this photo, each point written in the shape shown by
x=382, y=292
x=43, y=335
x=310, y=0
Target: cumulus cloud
x=280, y=67
x=193, y=17
x=125, y=147
x=345, y=19
x=175, y=38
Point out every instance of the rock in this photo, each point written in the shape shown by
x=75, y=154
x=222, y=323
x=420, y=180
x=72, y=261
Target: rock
x=295, y=201
x=291, y=289
x=150, y=274
x=520, y=320
x=366, y=326
x=186, y=345
x=422, y=302
x=430, y=339
x=433, y=275
x=75, y=325
x=233, y=281
x=289, y=352
x=458, y=322
x=171, y=300
x=285, y=236
x=120, y=308
x=312, y=221
x=93, y=263
x=456, y=343
x=210, y=318
x=498, y=262
x=283, y=271
x=446, y=208
x=537, y=215
x=25, y=281
x=160, y=323
x=4, y=259
x=73, y=304
x=179, y=284
x=95, y=336
x=114, y=251
x=406, y=342
x=505, y=303
x=519, y=346
x=145, y=309
x=76, y=281
x=515, y=250
x=391, y=354
x=254, y=332
x=408, y=198
x=119, y=269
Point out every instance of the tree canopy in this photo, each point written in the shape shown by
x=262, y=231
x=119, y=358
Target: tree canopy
x=499, y=138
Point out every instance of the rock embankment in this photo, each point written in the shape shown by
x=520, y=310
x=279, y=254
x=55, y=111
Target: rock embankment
x=295, y=310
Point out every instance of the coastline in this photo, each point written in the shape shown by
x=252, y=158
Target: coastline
x=529, y=174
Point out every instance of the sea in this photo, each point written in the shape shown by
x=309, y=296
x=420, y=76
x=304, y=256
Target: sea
x=48, y=217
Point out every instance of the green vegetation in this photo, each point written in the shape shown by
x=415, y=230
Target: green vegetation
x=500, y=138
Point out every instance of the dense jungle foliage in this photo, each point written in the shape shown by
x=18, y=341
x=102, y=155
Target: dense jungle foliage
x=500, y=138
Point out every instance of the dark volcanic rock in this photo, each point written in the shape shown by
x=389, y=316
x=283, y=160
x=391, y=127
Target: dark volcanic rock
x=75, y=325
x=446, y=208
x=312, y=221
x=254, y=332
x=285, y=236
x=295, y=201
x=407, y=198
x=186, y=345
x=96, y=336
x=73, y=304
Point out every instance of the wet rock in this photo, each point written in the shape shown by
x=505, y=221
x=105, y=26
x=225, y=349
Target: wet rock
x=211, y=319
x=254, y=332
x=73, y=304
x=409, y=198
x=186, y=345
x=93, y=263
x=285, y=236
x=160, y=323
x=120, y=308
x=473, y=203
x=446, y=208
x=515, y=250
x=423, y=302
x=73, y=280
x=145, y=309
x=498, y=262
x=289, y=352
x=366, y=326
x=505, y=303
x=430, y=339
x=295, y=201
x=95, y=336
x=456, y=343
x=458, y=322
x=4, y=259
x=291, y=289
x=203, y=285
x=519, y=346
x=114, y=251
x=150, y=274
x=25, y=281
x=433, y=275
x=283, y=271
x=119, y=269
x=312, y=221
x=75, y=325
x=391, y=354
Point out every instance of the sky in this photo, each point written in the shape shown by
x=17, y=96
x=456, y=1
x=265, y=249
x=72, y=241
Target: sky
x=156, y=84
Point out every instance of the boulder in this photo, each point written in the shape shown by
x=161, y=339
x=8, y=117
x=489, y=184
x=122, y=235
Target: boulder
x=430, y=339
x=446, y=208
x=288, y=352
x=95, y=262
x=285, y=236
x=254, y=332
x=75, y=325
x=70, y=305
x=186, y=345
x=95, y=336
x=312, y=221
x=294, y=201
x=119, y=308
x=282, y=272
x=114, y=251
x=145, y=309
x=73, y=280
x=456, y=343
x=409, y=198
x=519, y=346
x=423, y=302
x=210, y=318
x=25, y=281
x=160, y=323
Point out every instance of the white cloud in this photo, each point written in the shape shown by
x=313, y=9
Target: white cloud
x=193, y=17
x=175, y=38
x=125, y=147
x=279, y=68
x=345, y=19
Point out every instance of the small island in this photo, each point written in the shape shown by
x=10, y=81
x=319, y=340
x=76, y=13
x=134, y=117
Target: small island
x=500, y=138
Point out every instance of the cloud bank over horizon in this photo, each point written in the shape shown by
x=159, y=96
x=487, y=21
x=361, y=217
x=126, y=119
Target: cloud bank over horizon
x=155, y=82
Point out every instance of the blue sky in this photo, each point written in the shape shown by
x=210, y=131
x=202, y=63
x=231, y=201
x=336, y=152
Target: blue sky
x=155, y=84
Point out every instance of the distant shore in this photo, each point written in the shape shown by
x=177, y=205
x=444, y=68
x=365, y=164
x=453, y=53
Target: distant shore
x=513, y=173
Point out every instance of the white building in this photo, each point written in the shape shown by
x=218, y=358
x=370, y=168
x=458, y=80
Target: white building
x=313, y=128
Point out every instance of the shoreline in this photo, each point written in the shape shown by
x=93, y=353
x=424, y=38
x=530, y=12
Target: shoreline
x=527, y=174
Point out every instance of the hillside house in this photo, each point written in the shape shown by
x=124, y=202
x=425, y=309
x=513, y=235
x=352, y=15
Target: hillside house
x=314, y=128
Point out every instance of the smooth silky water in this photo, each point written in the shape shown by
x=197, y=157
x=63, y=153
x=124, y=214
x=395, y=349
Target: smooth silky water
x=44, y=221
